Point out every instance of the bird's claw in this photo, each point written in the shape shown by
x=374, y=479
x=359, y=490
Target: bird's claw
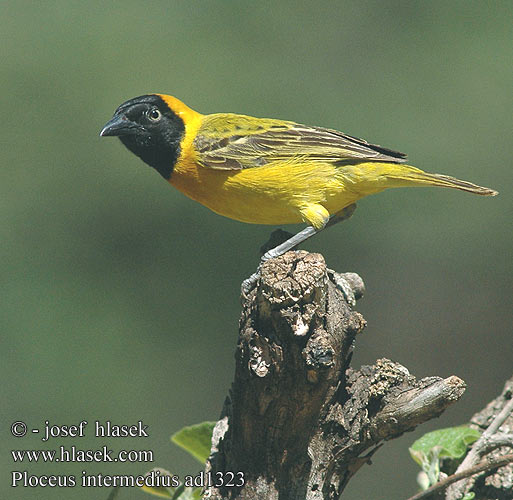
x=249, y=283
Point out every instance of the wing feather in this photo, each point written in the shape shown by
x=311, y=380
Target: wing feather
x=234, y=142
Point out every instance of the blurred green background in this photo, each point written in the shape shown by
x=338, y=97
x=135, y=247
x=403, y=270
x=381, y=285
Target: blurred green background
x=120, y=297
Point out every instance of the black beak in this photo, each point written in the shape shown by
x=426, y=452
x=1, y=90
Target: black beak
x=119, y=125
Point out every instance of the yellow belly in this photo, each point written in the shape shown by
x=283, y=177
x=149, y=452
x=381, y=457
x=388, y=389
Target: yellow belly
x=280, y=193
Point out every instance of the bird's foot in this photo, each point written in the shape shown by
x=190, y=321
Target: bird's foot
x=249, y=283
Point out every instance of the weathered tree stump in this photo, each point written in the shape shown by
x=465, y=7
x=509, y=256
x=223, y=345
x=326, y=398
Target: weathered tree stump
x=298, y=421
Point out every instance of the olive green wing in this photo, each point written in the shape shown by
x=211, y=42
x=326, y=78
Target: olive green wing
x=234, y=142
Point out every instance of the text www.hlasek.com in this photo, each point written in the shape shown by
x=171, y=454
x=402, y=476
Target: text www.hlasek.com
x=72, y=454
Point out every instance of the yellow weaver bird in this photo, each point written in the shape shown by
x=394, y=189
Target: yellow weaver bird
x=261, y=170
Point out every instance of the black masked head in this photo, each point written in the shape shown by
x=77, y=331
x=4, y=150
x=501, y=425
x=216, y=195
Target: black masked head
x=150, y=129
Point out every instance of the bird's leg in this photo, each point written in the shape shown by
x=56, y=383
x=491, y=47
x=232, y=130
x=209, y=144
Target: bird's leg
x=289, y=244
x=307, y=232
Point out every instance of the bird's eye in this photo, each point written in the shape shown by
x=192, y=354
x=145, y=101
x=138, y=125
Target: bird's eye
x=154, y=115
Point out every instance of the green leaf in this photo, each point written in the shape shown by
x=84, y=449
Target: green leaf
x=178, y=493
x=187, y=494
x=469, y=496
x=452, y=442
x=196, y=439
x=160, y=491
x=431, y=448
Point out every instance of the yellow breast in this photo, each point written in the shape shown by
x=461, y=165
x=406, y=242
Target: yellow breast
x=278, y=193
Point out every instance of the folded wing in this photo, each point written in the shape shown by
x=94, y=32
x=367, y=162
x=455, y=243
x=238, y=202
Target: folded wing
x=234, y=142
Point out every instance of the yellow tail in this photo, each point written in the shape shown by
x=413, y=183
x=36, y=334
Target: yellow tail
x=406, y=175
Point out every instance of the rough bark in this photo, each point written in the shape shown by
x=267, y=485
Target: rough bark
x=298, y=421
